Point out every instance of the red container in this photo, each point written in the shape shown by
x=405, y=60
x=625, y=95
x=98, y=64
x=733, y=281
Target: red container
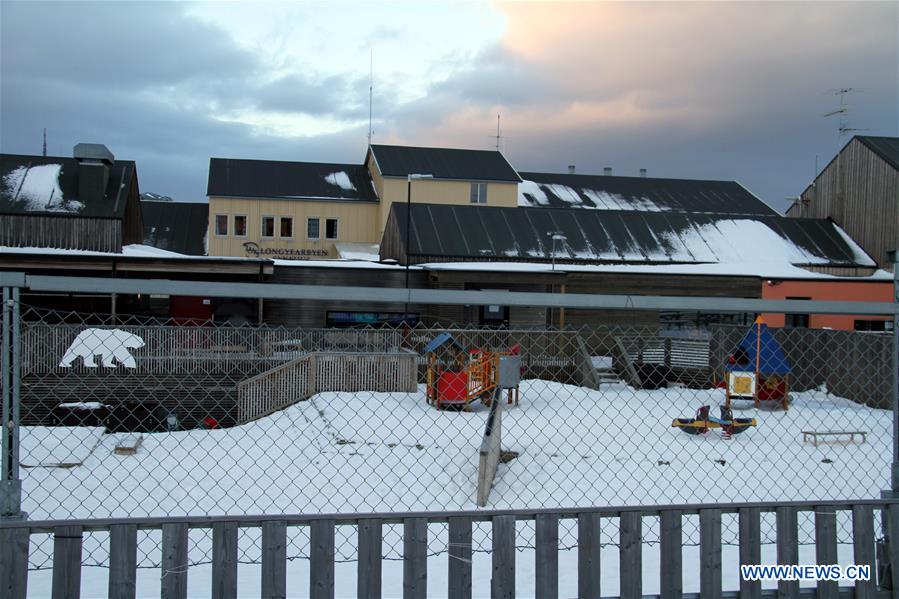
x=452, y=387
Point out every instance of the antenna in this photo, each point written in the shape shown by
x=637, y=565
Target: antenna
x=498, y=138
x=371, y=85
x=45, y=141
x=843, y=109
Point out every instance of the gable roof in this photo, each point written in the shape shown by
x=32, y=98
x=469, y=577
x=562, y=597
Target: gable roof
x=638, y=193
x=289, y=180
x=176, y=226
x=50, y=185
x=885, y=147
x=463, y=233
x=443, y=163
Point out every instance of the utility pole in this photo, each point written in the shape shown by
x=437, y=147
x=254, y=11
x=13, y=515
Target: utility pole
x=45, y=142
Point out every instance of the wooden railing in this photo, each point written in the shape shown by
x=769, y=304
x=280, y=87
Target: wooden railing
x=175, y=550
x=303, y=377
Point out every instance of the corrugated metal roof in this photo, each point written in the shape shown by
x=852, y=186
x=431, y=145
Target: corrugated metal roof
x=885, y=147
x=289, y=180
x=49, y=184
x=462, y=232
x=638, y=193
x=176, y=226
x=444, y=163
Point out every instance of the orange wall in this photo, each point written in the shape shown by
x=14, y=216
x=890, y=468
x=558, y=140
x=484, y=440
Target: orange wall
x=828, y=290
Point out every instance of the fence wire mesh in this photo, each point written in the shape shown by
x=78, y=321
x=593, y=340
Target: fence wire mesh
x=134, y=417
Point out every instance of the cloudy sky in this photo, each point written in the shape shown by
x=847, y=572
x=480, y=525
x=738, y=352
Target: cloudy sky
x=696, y=90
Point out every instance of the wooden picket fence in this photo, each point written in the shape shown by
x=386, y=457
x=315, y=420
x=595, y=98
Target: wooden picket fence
x=175, y=559
x=301, y=378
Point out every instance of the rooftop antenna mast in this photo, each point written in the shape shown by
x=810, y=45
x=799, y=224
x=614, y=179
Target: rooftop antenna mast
x=371, y=86
x=498, y=138
x=843, y=110
x=45, y=141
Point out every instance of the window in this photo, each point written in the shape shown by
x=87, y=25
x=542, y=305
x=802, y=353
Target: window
x=478, y=193
x=268, y=226
x=796, y=321
x=240, y=225
x=878, y=326
x=331, y=228
x=221, y=224
x=286, y=227
x=312, y=228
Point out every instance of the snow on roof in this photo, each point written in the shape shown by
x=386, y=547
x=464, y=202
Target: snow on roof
x=763, y=269
x=343, y=264
x=358, y=251
x=341, y=180
x=37, y=187
x=531, y=193
x=128, y=251
x=639, y=194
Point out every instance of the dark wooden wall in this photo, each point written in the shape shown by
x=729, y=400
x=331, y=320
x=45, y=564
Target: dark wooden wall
x=859, y=191
x=66, y=232
x=294, y=313
x=132, y=223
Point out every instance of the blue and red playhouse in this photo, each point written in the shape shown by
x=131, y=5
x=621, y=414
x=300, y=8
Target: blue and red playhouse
x=759, y=358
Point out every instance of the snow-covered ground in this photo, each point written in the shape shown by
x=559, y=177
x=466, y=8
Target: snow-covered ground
x=364, y=452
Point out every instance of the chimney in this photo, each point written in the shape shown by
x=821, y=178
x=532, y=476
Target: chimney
x=607, y=171
x=94, y=161
x=643, y=172
x=570, y=169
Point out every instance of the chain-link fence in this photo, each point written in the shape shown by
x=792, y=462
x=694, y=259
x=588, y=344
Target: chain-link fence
x=131, y=417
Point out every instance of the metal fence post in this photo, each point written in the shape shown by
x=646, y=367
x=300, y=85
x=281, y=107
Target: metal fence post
x=895, y=403
x=10, y=485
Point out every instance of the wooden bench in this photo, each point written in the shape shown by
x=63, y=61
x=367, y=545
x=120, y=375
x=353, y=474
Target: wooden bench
x=850, y=434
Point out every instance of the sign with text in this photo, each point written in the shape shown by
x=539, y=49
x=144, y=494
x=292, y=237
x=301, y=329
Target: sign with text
x=254, y=251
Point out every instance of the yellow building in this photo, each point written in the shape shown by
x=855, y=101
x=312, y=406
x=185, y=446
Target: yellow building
x=307, y=210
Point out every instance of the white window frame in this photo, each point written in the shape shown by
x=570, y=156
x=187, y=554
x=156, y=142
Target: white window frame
x=246, y=222
x=262, y=226
x=336, y=229
x=216, y=225
x=315, y=218
x=481, y=198
x=282, y=219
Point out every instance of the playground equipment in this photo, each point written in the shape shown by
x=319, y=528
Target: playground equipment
x=456, y=377
x=758, y=369
x=704, y=421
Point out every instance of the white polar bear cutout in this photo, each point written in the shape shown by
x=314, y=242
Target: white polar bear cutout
x=111, y=344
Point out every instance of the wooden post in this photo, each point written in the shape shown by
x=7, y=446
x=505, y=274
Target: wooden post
x=671, y=555
x=502, y=583
x=321, y=559
x=546, y=570
x=274, y=560
x=710, y=553
x=787, y=548
x=863, y=548
x=122, y=561
x=66, y=562
x=750, y=549
x=459, y=558
x=630, y=564
x=368, y=583
x=415, y=558
x=14, y=562
x=224, y=560
x=588, y=556
x=826, y=548
x=174, y=561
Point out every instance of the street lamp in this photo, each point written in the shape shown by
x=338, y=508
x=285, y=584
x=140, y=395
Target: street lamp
x=556, y=237
x=410, y=178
